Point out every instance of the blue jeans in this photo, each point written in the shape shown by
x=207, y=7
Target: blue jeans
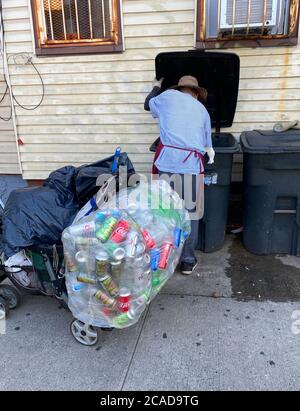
x=188, y=253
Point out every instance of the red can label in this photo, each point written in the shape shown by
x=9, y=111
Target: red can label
x=120, y=232
x=147, y=237
x=164, y=256
x=124, y=302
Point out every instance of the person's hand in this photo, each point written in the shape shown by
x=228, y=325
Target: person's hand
x=157, y=83
x=211, y=155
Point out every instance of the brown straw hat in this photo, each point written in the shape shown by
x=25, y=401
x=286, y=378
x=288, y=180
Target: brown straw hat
x=192, y=83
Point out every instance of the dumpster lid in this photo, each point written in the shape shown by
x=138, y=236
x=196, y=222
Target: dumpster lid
x=217, y=72
x=262, y=142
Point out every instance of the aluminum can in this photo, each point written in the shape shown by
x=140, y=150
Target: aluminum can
x=122, y=320
x=70, y=263
x=124, y=300
x=177, y=236
x=116, y=269
x=148, y=239
x=155, y=256
x=86, y=280
x=105, y=299
x=120, y=232
x=109, y=285
x=102, y=266
x=119, y=254
x=156, y=278
x=115, y=252
x=103, y=233
x=82, y=242
x=164, y=255
x=100, y=217
x=81, y=257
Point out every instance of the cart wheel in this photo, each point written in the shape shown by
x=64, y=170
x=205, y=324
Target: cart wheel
x=11, y=295
x=84, y=333
x=4, y=308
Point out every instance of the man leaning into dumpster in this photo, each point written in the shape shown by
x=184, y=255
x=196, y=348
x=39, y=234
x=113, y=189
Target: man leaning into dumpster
x=185, y=137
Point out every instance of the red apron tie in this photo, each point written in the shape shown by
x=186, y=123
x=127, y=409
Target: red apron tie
x=196, y=153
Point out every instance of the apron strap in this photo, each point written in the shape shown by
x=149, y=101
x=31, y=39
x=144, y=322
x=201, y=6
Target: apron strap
x=196, y=153
x=156, y=155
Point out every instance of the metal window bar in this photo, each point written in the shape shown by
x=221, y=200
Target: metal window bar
x=251, y=11
x=50, y=18
x=103, y=17
x=204, y=23
x=77, y=20
x=279, y=16
x=233, y=16
x=90, y=19
x=103, y=23
x=219, y=16
x=44, y=21
x=264, y=16
x=64, y=18
x=248, y=17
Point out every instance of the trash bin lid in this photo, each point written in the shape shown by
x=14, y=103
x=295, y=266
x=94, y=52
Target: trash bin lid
x=218, y=72
x=262, y=142
x=225, y=143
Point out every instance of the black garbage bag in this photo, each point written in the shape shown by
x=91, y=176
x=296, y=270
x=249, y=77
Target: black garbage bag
x=38, y=216
x=87, y=176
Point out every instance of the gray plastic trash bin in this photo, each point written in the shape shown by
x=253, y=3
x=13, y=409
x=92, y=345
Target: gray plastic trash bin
x=272, y=192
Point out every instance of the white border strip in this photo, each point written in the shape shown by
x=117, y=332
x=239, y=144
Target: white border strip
x=195, y=23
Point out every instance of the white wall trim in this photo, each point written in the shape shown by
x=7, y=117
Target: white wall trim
x=122, y=25
x=31, y=26
x=195, y=22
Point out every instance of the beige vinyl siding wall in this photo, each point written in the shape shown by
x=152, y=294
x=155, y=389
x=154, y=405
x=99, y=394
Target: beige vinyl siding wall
x=8, y=149
x=95, y=102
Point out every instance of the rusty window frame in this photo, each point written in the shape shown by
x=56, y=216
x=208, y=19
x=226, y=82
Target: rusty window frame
x=76, y=46
x=290, y=39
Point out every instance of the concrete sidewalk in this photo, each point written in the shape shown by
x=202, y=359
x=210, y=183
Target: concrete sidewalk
x=228, y=326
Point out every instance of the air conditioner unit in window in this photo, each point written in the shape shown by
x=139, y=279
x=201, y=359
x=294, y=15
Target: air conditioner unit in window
x=247, y=14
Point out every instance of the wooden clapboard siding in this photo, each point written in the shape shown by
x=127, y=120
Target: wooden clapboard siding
x=95, y=102
x=8, y=148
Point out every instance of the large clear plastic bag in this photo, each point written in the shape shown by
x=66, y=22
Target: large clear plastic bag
x=120, y=256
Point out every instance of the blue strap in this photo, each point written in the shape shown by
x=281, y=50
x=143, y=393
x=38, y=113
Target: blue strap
x=93, y=206
x=114, y=167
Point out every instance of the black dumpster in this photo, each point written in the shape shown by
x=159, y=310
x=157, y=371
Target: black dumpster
x=219, y=74
x=272, y=192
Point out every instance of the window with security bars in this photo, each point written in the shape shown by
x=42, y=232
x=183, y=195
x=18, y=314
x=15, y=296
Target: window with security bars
x=240, y=23
x=77, y=26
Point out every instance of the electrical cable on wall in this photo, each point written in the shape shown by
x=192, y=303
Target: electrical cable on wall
x=26, y=59
x=29, y=61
